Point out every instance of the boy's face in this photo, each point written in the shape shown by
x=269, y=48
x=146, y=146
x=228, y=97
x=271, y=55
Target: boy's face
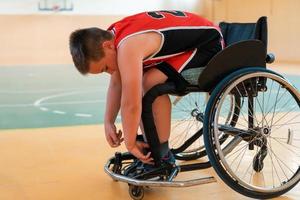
x=106, y=64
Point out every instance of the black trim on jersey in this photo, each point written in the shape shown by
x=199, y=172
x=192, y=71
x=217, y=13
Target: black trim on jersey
x=160, y=15
x=204, y=54
x=179, y=40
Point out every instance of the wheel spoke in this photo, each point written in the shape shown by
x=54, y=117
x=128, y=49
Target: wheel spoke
x=279, y=160
x=261, y=145
x=185, y=125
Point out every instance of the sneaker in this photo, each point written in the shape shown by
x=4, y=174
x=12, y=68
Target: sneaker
x=169, y=158
x=137, y=167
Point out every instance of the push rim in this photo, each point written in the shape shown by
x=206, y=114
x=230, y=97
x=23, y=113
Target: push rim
x=267, y=120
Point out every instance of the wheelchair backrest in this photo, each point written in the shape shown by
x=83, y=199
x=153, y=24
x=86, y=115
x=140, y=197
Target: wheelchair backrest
x=246, y=46
x=236, y=32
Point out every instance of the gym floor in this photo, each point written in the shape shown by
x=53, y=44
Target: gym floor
x=52, y=143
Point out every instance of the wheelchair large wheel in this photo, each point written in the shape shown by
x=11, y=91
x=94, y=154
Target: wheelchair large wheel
x=187, y=122
x=261, y=156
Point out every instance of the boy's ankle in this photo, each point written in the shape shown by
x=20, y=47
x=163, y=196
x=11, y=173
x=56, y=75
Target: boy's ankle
x=169, y=158
x=166, y=154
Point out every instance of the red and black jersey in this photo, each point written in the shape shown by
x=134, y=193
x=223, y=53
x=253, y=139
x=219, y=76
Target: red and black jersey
x=184, y=35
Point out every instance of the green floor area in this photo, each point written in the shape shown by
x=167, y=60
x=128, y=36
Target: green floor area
x=46, y=96
x=54, y=95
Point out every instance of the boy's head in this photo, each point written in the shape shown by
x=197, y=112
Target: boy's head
x=87, y=48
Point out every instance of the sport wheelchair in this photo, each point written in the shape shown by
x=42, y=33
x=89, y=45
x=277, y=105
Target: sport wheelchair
x=248, y=117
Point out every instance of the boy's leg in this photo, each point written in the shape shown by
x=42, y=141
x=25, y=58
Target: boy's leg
x=161, y=106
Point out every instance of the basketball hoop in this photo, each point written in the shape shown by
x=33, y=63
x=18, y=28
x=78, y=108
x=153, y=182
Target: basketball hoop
x=55, y=5
x=56, y=8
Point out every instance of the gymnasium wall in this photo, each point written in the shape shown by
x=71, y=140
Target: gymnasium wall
x=283, y=19
x=43, y=38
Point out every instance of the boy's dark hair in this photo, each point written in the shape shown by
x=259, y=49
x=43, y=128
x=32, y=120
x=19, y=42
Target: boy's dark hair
x=84, y=46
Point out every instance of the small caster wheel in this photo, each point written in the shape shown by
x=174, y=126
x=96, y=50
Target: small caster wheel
x=258, y=160
x=258, y=164
x=136, y=192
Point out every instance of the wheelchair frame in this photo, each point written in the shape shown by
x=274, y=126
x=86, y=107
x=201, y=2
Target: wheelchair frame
x=241, y=54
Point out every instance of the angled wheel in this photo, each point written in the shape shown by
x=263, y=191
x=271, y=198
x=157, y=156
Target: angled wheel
x=187, y=122
x=136, y=192
x=261, y=156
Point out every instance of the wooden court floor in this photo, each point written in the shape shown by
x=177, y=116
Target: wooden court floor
x=66, y=163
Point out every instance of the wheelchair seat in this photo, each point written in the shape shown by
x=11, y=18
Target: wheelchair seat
x=192, y=75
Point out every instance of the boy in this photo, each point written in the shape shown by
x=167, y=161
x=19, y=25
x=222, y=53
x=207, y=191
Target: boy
x=131, y=50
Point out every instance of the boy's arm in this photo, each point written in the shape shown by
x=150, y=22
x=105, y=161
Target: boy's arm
x=131, y=70
x=112, y=108
x=130, y=62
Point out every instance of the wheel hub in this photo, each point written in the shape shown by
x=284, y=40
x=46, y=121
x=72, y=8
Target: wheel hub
x=266, y=131
x=262, y=131
x=197, y=114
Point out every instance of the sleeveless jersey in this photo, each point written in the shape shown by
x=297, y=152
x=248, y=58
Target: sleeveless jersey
x=184, y=35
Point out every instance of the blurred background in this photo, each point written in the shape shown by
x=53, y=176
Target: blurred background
x=47, y=151
x=36, y=32
x=40, y=87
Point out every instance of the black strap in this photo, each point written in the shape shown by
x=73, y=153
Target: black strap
x=173, y=76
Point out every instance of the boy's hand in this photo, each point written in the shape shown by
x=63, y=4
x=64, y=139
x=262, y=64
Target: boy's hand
x=137, y=150
x=113, y=137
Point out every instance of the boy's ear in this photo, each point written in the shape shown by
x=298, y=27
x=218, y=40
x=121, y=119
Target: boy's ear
x=108, y=44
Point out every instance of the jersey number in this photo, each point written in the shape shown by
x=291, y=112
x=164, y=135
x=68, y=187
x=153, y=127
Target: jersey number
x=160, y=14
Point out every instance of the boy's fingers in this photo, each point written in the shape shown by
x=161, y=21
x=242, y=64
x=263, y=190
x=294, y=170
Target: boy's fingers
x=147, y=158
x=145, y=145
x=148, y=161
x=119, y=137
x=114, y=138
x=114, y=128
x=119, y=134
x=110, y=142
x=148, y=154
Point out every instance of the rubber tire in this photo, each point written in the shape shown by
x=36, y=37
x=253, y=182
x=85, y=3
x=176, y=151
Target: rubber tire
x=209, y=143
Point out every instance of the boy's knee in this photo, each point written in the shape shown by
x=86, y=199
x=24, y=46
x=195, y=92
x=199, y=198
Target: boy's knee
x=151, y=78
x=148, y=83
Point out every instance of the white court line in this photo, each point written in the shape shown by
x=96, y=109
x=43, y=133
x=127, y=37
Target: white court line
x=15, y=105
x=59, y=112
x=39, y=101
x=83, y=115
x=73, y=102
x=44, y=109
x=52, y=103
x=41, y=105
x=49, y=90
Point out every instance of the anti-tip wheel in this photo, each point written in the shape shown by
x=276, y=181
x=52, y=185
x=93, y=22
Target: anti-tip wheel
x=136, y=192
